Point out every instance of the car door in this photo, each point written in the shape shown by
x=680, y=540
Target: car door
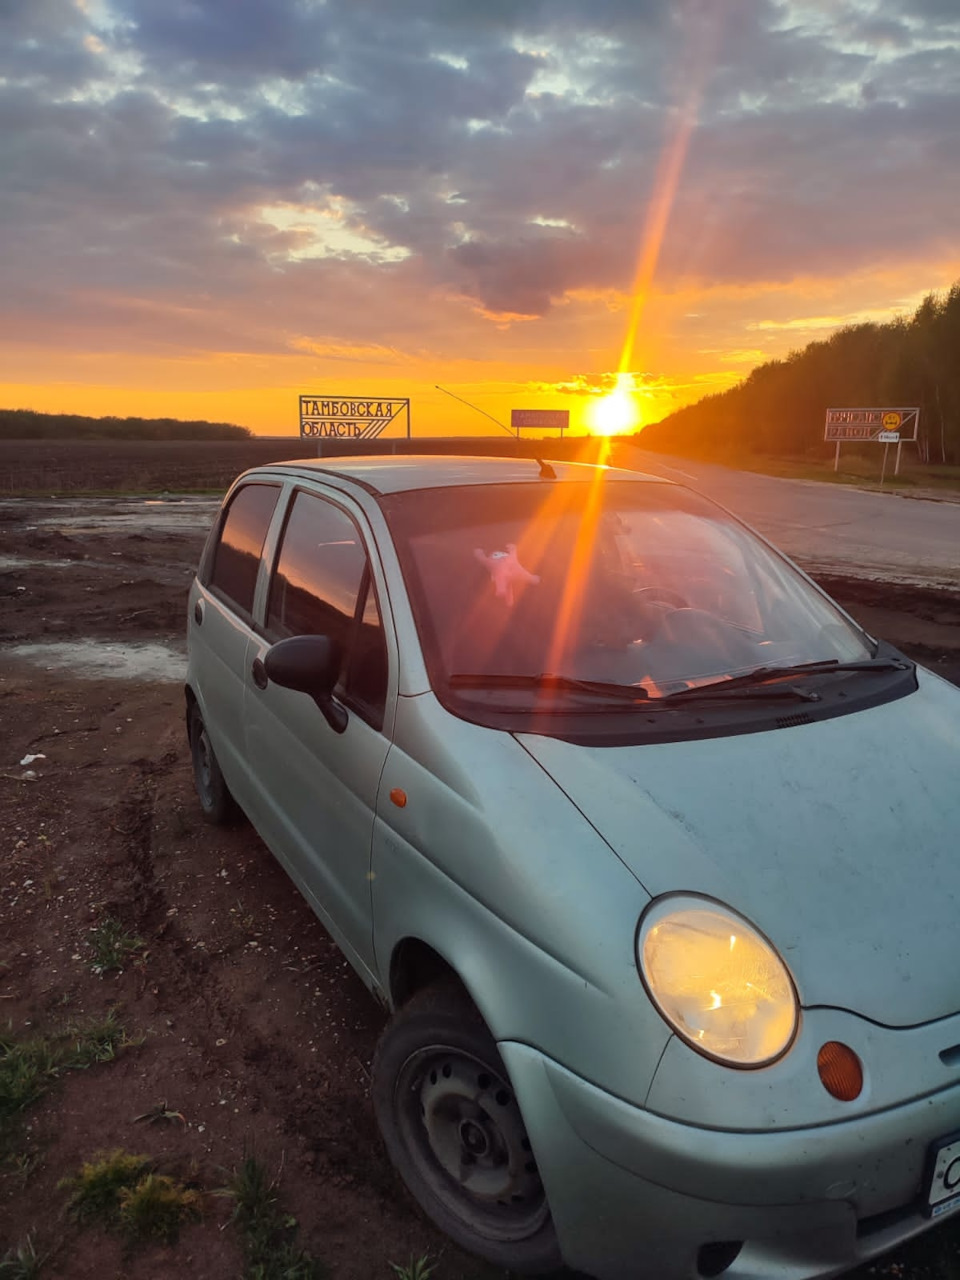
x=220, y=624
x=317, y=788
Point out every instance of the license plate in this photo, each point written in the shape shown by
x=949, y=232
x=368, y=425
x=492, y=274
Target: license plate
x=943, y=1187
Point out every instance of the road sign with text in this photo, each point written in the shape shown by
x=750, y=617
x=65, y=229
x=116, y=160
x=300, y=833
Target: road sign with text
x=350, y=417
x=542, y=419
x=884, y=425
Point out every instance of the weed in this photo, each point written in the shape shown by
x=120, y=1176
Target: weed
x=160, y=1114
x=26, y=1069
x=268, y=1236
x=416, y=1268
x=112, y=945
x=95, y=1190
x=87, y=1044
x=123, y=1192
x=22, y=1262
x=156, y=1208
x=20, y=1166
x=29, y=1065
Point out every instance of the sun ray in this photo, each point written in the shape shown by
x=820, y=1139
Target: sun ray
x=667, y=178
x=572, y=601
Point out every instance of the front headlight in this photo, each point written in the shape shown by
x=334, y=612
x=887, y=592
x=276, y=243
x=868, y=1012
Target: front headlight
x=716, y=980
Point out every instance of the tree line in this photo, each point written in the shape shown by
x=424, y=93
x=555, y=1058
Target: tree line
x=26, y=424
x=779, y=409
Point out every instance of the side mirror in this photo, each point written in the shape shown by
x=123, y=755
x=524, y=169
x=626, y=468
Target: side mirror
x=309, y=664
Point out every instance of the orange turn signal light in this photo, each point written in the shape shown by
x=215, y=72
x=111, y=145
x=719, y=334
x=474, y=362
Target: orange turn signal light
x=841, y=1071
x=398, y=797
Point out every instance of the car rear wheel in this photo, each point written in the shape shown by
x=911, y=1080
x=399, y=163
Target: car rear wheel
x=453, y=1129
x=216, y=802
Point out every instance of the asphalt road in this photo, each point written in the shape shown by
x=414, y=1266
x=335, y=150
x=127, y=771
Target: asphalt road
x=834, y=529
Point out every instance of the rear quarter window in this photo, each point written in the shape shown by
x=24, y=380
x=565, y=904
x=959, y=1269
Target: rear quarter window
x=236, y=554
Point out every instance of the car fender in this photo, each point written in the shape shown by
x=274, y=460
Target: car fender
x=479, y=855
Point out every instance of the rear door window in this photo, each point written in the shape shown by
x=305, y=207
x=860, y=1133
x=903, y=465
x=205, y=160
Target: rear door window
x=236, y=557
x=322, y=585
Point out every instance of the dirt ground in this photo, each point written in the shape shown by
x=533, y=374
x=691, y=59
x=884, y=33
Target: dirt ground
x=242, y=1016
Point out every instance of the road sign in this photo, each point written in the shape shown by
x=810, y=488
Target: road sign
x=544, y=419
x=885, y=426
x=870, y=424
x=350, y=418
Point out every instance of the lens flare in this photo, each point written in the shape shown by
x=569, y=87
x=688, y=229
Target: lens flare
x=616, y=413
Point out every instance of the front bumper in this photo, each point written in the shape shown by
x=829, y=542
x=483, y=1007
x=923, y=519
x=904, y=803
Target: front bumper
x=635, y=1196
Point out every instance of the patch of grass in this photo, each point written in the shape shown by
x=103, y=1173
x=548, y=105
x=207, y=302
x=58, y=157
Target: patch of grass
x=416, y=1268
x=156, y=1208
x=855, y=469
x=29, y=1065
x=112, y=945
x=123, y=1192
x=22, y=1262
x=268, y=1235
x=95, y=1190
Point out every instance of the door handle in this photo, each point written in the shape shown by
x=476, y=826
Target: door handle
x=259, y=673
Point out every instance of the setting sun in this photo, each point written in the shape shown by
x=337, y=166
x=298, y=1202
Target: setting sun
x=615, y=414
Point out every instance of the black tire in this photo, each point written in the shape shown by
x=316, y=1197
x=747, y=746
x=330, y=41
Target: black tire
x=217, y=804
x=454, y=1131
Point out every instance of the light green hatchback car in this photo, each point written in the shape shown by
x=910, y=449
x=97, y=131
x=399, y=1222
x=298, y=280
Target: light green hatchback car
x=650, y=850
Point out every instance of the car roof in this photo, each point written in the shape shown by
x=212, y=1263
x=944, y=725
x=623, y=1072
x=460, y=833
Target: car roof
x=397, y=473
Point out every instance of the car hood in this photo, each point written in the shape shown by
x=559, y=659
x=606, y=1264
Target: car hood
x=840, y=840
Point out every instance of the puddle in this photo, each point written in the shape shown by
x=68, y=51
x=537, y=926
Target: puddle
x=27, y=562
x=36, y=562
x=109, y=515
x=107, y=659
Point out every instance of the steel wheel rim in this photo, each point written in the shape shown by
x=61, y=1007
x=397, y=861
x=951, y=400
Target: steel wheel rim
x=203, y=766
x=462, y=1127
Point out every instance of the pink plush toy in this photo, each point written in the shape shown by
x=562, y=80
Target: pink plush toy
x=505, y=570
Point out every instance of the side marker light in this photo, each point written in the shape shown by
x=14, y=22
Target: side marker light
x=399, y=798
x=841, y=1072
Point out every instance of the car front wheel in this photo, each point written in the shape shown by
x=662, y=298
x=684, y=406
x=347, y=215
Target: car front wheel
x=453, y=1129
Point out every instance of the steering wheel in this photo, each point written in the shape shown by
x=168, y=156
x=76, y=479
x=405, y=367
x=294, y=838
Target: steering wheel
x=699, y=629
x=661, y=595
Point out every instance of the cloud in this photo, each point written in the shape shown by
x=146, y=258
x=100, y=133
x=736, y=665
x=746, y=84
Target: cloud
x=601, y=384
x=227, y=175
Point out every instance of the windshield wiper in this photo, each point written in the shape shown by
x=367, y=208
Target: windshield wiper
x=546, y=681
x=766, y=676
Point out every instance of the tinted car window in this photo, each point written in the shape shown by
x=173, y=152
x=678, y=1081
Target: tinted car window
x=243, y=532
x=319, y=571
x=366, y=682
x=322, y=586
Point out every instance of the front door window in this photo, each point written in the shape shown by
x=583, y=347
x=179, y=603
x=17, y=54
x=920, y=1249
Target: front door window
x=322, y=585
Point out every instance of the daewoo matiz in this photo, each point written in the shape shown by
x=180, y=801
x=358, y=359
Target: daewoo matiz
x=652, y=853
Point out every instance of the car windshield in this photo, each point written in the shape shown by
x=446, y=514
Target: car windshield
x=556, y=585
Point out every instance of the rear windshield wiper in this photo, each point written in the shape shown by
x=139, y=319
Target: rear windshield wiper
x=547, y=681
x=769, y=678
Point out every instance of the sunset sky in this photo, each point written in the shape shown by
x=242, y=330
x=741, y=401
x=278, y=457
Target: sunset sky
x=208, y=207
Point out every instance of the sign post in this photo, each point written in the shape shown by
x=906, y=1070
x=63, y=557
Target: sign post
x=545, y=419
x=886, y=426
x=342, y=417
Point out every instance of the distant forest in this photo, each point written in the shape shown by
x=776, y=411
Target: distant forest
x=780, y=408
x=24, y=424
